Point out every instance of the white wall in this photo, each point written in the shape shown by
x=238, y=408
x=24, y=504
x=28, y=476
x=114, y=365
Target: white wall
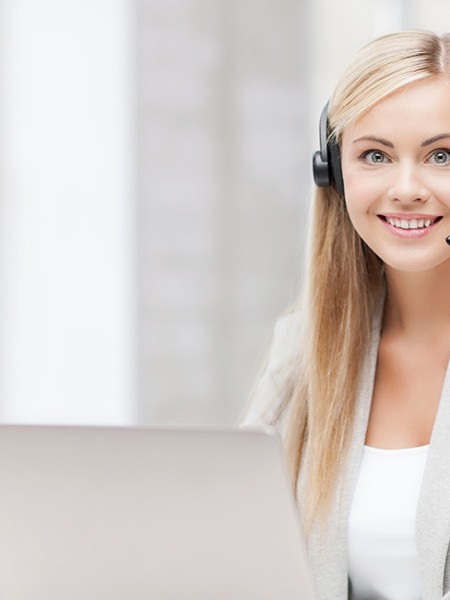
x=154, y=301
x=67, y=212
x=339, y=30
x=427, y=14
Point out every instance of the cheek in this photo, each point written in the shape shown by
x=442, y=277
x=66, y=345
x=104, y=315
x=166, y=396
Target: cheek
x=358, y=198
x=364, y=186
x=358, y=220
x=362, y=194
x=441, y=191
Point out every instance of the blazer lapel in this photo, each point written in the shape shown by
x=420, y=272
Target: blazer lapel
x=433, y=511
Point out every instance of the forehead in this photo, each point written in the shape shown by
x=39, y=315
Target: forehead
x=420, y=109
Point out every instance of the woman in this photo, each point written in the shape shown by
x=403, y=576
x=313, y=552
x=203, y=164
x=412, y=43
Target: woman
x=358, y=380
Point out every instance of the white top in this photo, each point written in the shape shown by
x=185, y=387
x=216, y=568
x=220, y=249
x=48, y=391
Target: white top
x=383, y=563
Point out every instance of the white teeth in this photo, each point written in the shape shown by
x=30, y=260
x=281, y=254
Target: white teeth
x=409, y=224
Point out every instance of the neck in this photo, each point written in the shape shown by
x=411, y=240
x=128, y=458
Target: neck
x=418, y=303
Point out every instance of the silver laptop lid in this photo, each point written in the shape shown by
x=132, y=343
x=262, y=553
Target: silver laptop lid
x=154, y=514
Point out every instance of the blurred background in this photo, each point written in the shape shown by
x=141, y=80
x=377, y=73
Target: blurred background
x=154, y=187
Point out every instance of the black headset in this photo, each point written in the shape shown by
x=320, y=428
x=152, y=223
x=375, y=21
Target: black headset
x=327, y=161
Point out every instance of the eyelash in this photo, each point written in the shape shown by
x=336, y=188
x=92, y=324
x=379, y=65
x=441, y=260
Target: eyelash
x=364, y=155
x=443, y=151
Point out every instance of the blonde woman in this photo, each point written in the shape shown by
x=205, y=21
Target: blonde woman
x=357, y=380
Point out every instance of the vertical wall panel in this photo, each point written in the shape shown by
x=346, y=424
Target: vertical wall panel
x=223, y=180
x=67, y=212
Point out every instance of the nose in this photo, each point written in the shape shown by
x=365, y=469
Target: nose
x=407, y=186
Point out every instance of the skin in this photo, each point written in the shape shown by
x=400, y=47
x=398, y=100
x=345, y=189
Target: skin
x=394, y=166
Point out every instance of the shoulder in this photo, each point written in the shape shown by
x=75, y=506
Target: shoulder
x=272, y=385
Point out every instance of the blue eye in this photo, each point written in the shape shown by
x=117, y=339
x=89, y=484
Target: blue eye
x=375, y=157
x=440, y=157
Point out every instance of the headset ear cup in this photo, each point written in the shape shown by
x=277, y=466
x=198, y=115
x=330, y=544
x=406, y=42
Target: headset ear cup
x=327, y=168
x=321, y=170
x=336, y=166
x=321, y=163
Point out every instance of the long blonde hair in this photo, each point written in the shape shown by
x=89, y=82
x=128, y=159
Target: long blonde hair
x=344, y=282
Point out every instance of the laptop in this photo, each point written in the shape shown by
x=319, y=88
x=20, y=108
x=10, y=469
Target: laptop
x=109, y=513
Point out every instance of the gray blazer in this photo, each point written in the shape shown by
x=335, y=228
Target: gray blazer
x=328, y=553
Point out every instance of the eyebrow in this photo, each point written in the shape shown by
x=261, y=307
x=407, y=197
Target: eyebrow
x=373, y=138
x=436, y=138
x=384, y=142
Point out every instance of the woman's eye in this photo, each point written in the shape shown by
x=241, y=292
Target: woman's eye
x=374, y=157
x=440, y=157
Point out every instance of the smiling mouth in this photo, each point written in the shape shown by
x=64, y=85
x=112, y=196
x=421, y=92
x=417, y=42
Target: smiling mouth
x=415, y=223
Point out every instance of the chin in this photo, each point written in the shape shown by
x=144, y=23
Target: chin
x=419, y=264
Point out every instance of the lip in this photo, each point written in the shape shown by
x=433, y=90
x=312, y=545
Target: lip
x=408, y=216
x=409, y=234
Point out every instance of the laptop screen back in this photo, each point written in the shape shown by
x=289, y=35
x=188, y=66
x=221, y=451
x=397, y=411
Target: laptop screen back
x=154, y=514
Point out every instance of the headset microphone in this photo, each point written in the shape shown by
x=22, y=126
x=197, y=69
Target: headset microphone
x=447, y=239
x=327, y=161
